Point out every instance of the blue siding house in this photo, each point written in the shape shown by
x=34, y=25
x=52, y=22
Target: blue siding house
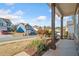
x=21, y=28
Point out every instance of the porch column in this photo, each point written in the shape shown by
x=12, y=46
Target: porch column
x=78, y=24
x=53, y=46
x=62, y=27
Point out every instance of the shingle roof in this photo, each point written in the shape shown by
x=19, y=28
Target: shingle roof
x=6, y=20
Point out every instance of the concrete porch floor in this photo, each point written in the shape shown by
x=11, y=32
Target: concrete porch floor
x=64, y=48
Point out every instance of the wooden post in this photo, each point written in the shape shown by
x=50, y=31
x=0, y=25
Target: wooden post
x=53, y=46
x=62, y=27
x=78, y=24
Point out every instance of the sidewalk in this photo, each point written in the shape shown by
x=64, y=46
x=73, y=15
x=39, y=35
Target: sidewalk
x=22, y=54
x=64, y=48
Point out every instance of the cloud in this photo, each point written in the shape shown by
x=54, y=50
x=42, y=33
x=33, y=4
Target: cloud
x=3, y=12
x=19, y=12
x=41, y=18
x=9, y=4
x=17, y=21
x=14, y=17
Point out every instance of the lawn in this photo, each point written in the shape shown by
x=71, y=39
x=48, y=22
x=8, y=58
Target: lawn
x=13, y=48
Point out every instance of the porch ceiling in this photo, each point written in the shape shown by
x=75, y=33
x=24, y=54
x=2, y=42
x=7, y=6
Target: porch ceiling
x=66, y=9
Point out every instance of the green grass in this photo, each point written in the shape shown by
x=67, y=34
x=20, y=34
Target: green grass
x=38, y=44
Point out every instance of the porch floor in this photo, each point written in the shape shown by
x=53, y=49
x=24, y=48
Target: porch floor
x=64, y=48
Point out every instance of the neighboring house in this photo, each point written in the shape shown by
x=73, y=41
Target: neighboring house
x=5, y=24
x=36, y=27
x=30, y=29
x=25, y=28
x=21, y=28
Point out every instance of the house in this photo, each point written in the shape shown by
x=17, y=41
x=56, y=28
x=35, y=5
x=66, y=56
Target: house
x=21, y=28
x=36, y=27
x=30, y=29
x=5, y=24
x=25, y=28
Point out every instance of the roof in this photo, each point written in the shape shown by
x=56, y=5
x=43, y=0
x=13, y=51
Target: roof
x=65, y=9
x=6, y=20
x=21, y=28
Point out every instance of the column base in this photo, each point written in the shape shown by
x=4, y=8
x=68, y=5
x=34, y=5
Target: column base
x=53, y=47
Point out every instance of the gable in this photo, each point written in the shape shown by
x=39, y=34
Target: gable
x=29, y=27
x=2, y=23
x=21, y=28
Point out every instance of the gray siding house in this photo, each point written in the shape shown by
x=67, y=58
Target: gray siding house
x=5, y=24
x=30, y=29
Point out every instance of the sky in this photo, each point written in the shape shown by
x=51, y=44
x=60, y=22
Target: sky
x=32, y=13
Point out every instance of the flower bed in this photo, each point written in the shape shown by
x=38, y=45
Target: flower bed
x=37, y=47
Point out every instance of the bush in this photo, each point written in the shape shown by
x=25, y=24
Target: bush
x=38, y=44
x=48, y=33
x=41, y=47
x=65, y=34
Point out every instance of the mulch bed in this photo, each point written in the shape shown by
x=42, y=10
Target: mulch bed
x=33, y=51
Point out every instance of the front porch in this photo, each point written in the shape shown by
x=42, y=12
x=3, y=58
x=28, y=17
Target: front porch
x=64, y=10
x=64, y=48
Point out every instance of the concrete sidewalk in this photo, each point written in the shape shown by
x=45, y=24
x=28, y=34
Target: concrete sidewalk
x=23, y=53
x=64, y=48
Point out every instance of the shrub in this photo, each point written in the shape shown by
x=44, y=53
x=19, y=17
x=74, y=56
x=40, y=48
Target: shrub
x=41, y=47
x=65, y=34
x=48, y=33
x=38, y=44
x=34, y=43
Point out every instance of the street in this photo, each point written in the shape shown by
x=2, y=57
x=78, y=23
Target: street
x=4, y=38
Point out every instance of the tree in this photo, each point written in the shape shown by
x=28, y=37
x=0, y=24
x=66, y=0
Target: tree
x=44, y=32
x=48, y=32
x=40, y=32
